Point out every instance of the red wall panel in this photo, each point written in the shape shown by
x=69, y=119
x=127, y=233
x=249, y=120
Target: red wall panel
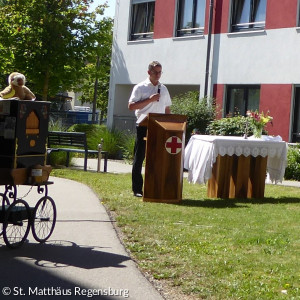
x=221, y=16
x=281, y=14
x=164, y=18
x=276, y=98
x=218, y=94
x=207, y=17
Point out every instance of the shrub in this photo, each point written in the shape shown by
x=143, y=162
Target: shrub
x=56, y=126
x=199, y=112
x=59, y=158
x=111, y=140
x=128, y=147
x=94, y=133
x=231, y=126
x=234, y=126
x=292, y=170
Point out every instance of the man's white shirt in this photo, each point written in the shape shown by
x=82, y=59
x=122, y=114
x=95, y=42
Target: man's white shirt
x=144, y=90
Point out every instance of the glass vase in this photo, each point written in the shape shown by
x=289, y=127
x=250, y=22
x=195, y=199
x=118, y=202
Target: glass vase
x=257, y=131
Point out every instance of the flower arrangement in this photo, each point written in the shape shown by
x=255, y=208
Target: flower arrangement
x=259, y=121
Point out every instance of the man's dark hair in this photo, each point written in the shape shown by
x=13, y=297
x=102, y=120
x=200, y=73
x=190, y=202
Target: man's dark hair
x=153, y=64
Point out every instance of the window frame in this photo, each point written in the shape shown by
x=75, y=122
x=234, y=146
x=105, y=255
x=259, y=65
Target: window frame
x=148, y=20
x=180, y=31
x=245, y=88
x=295, y=134
x=252, y=24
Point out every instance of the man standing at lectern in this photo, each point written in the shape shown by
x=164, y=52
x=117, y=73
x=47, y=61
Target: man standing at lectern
x=149, y=96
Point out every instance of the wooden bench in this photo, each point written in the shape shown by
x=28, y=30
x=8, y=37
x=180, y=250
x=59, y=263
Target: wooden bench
x=73, y=142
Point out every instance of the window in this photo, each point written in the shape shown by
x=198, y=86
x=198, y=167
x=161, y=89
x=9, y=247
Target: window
x=248, y=15
x=191, y=17
x=242, y=98
x=142, y=19
x=296, y=117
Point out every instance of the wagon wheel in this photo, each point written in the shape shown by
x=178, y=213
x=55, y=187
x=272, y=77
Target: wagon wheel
x=44, y=218
x=16, y=224
x=4, y=202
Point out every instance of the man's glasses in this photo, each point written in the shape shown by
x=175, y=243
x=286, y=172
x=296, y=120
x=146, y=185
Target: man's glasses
x=156, y=72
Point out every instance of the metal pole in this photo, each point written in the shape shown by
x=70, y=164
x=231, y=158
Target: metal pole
x=99, y=156
x=210, y=21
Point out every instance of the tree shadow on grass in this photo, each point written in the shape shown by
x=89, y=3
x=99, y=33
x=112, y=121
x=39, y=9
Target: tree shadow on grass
x=236, y=203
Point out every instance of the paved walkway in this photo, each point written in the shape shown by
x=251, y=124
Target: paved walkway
x=83, y=255
x=113, y=166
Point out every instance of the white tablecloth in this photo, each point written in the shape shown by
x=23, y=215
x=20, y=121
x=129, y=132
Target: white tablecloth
x=202, y=150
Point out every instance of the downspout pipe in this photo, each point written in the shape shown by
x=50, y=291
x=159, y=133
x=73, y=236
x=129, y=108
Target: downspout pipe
x=210, y=21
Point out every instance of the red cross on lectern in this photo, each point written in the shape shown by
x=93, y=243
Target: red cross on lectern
x=173, y=145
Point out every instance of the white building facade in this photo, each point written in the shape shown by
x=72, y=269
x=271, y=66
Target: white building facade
x=241, y=52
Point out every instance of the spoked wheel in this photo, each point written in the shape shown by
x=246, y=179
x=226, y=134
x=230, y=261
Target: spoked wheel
x=16, y=224
x=44, y=218
x=4, y=204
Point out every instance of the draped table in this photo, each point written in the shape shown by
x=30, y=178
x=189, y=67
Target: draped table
x=235, y=167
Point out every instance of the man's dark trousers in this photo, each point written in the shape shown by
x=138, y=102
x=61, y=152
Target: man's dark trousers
x=139, y=156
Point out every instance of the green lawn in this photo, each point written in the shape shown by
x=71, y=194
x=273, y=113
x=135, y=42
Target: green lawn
x=209, y=248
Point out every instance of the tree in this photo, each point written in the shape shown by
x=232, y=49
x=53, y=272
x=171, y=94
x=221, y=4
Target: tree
x=94, y=85
x=49, y=41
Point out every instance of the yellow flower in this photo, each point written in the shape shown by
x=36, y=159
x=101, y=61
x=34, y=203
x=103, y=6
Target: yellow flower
x=259, y=119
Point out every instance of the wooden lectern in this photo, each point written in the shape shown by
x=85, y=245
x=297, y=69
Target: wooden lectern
x=164, y=157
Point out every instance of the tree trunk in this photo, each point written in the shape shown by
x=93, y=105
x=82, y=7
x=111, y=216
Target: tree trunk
x=46, y=86
x=95, y=91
